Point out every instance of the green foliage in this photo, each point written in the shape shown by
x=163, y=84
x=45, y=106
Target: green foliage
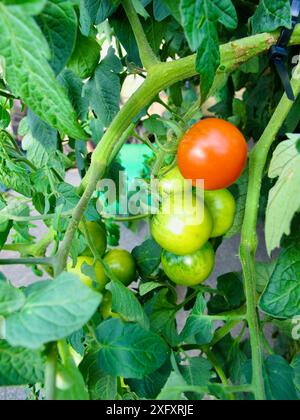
x=103, y=89
x=279, y=380
x=284, y=199
x=20, y=366
x=51, y=312
x=281, y=298
x=144, y=351
x=58, y=22
x=200, y=20
x=148, y=257
x=270, y=15
x=125, y=303
x=198, y=328
x=85, y=56
x=29, y=75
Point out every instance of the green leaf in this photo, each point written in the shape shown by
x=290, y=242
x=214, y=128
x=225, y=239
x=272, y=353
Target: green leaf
x=28, y=73
x=69, y=198
x=41, y=142
x=174, y=8
x=140, y=9
x=239, y=190
x=148, y=287
x=74, y=88
x=160, y=10
x=162, y=316
x=174, y=388
x=4, y=118
x=236, y=360
x=77, y=341
x=128, y=350
x=52, y=312
x=264, y=271
x=271, y=15
x=296, y=366
x=13, y=173
x=58, y=22
x=284, y=197
x=11, y=299
x=93, y=12
x=199, y=327
x=103, y=89
x=279, y=379
x=85, y=57
x=148, y=257
x=125, y=35
x=199, y=16
x=231, y=295
x=101, y=385
x=200, y=20
x=70, y=385
x=197, y=372
x=150, y=386
x=32, y=7
x=155, y=33
x=126, y=304
x=19, y=366
x=281, y=298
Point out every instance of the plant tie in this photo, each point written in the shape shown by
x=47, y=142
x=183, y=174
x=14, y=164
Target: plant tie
x=279, y=52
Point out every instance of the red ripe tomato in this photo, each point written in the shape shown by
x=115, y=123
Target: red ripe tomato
x=213, y=150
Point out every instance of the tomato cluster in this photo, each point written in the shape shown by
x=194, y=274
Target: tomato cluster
x=214, y=151
x=120, y=262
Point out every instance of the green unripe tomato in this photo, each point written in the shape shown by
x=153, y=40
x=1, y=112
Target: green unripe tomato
x=122, y=265
x=173, y=183
x=97, y=234
x=222, y=207
x=182, y=229
x=98, y=269
x=189, y=270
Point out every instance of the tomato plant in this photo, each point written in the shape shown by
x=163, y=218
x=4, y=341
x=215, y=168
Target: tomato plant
x=109, y=288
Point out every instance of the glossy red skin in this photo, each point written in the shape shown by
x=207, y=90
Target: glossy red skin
x=215, y=151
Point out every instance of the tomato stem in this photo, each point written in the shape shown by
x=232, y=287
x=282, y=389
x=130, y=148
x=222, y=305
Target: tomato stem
x=27, y=261
x=147, y=55
x=50, y=372
x=63, y=253
x=249, y=239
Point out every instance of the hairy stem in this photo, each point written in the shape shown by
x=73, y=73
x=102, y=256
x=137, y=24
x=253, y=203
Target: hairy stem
x=63, y=253
x=249, y=240
x=125, y=219
x=26, y=261
x=147, y=55
x=50, y=373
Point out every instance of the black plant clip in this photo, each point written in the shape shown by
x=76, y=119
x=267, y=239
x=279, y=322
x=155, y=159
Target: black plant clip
x=279, y=53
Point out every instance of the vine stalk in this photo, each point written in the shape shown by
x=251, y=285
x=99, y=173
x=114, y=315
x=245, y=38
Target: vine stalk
x=50, y=372
x=249, y=239
x=147, y=55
